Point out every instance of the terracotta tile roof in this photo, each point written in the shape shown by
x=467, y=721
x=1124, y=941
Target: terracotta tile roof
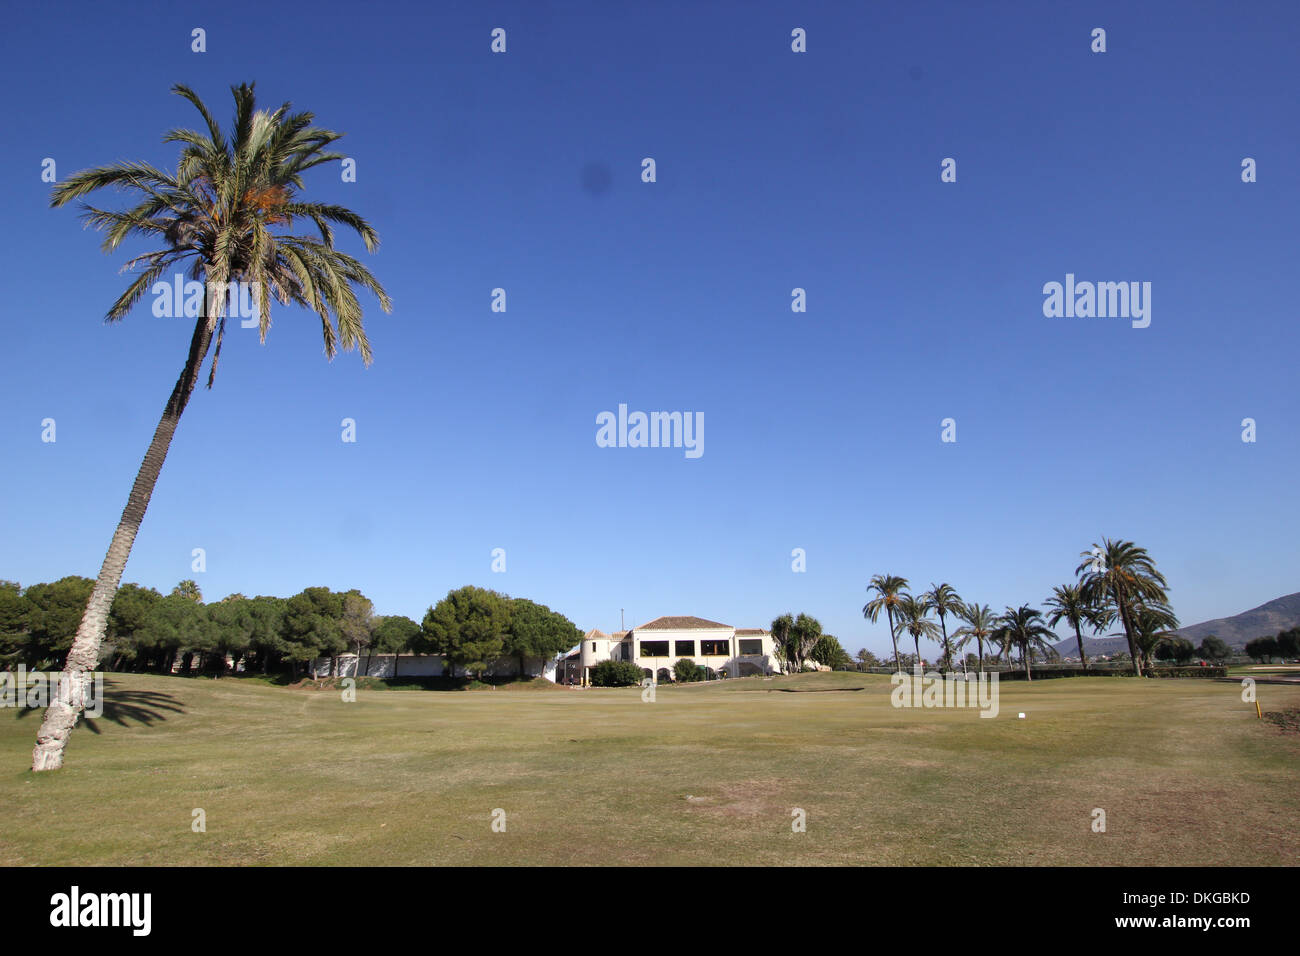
x=750, y=630
x=595, y=634
x=679, y=624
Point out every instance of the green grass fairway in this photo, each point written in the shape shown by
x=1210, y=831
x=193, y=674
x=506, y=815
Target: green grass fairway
x=707, y=774
x=1265, y=670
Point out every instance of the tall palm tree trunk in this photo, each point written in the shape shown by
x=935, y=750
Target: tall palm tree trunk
x=1025, y=655
x=979, y=642
x=1128, y=632
x=947, y=651
x=62, y=714
x=893, y=636
x=1079, y=637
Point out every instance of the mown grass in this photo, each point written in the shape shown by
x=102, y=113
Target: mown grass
x=706, y=774
x=1264, y=670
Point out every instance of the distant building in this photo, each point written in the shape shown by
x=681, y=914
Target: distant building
x=655, y=647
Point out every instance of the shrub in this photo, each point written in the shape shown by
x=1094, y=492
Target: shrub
x=1047, y=673
x=615, y=674
x=687, y=671
x=1208, y=673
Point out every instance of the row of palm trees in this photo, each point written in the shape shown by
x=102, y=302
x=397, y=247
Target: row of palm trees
x=1118, y=583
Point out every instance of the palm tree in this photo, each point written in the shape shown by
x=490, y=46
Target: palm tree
x=888, y=588
x=782, y=628
x=224, y=214
x=189, y=588
x=913, y=617
x=943, y=600
x=1153, y=625
x=804, y=635
x=979, y=625
x=1000, y=640
x=867, y=659
x=1067, y=604
x=1117, y=577
x=1022, y=627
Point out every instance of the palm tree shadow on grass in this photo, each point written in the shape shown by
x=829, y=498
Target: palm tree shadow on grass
x=126, y=707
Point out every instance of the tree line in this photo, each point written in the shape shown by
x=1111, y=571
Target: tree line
x=1117, y=584
x=1286, y=644
x=472, y=628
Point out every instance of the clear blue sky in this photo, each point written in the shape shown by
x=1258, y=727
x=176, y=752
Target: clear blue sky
x=476, y=430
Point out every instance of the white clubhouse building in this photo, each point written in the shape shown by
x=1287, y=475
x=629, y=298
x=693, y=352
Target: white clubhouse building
x=655, y=647
x=725, y=651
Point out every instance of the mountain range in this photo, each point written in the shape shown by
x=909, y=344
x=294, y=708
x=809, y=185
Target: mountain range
x=1280, y=614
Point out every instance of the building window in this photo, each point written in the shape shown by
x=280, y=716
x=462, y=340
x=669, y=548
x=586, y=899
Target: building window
x=684, y=648
x=654, y=648
x=751, y=647
x=715, y=648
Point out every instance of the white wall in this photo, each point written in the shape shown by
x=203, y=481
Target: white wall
x=381, y=665
x=425, y=665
